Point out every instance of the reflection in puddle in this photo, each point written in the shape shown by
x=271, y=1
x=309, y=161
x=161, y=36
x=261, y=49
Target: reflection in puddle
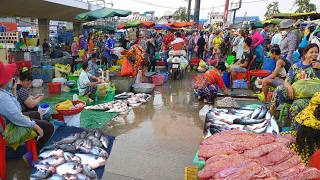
x=157, y=101
x=123, y=119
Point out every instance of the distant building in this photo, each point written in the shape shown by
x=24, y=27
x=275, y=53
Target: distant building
x=247, y=18
x=146, y=16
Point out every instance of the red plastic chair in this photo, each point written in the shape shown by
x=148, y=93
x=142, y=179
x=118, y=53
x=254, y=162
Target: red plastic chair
x=31, y=146
x=242, y=75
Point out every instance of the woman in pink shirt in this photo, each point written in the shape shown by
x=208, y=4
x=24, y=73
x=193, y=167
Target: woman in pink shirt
x=256, y=46
x=75, y=53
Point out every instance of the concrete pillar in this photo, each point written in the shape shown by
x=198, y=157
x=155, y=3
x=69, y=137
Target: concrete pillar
x=76, y=29
x=43, y=29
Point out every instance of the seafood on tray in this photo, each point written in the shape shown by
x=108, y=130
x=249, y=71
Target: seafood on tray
x=122, y=106
x=73, y=157
x=259, y=121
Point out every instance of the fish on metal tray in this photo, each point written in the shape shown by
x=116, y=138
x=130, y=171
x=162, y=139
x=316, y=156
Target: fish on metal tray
x=104, y=140
x=95, y=150
x=255, y=113
x=54, y=161
x=42, y=174
x=69, y=168
x=247, y=121
x=70, y=139
x=56, y=177
x=263, y=112
x=49, y=153
x=89, y=172
x=92, y=161
x=46, y=167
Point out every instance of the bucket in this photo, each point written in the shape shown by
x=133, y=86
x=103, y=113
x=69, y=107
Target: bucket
x=54, y=87
x=230, y=60
x=73, y=120
x=226, y=79
x=269, y=64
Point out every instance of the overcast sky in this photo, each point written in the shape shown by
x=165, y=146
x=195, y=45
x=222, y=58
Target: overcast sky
x=252, y=7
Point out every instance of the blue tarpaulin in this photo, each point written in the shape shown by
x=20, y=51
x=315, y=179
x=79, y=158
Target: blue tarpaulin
x=65, y=131
x=161, y=26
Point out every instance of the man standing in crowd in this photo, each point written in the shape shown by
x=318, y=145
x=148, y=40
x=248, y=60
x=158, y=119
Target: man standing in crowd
x=289, y=42
x=109, y=49
x=264, y=35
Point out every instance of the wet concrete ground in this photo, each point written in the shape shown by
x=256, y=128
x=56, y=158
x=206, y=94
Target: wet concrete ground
x=155, y=141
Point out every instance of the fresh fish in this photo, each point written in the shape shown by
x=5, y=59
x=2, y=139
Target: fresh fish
x=69, y=168
x=275, y=126
x=247, y=121
x=88, y=172
x=68, y=148
x=257, y=128
x=95, y=150
x=82, y=176
x=97, y=143
x=256, y=113
x=104, y=141
x=71, y=157
x=54, y=161
x=56, y=177
x=97, y=133
x=92, y=161
x=49, y=153
x=263, y=112
x=70, y=177
x=42, y=174
x=87, y=143
x=70, y=139
x=90, y=132
x=93, y=138
x=270, y=129
x=83, y=134
x=50, y=147
x=46, y=167
x=78, y=143
x=268, y=115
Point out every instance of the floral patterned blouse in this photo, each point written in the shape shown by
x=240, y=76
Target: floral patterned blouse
x=300, y=71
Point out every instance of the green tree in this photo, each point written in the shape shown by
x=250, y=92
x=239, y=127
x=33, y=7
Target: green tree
x=271, y=10
x=181, y=14
x=304, y=6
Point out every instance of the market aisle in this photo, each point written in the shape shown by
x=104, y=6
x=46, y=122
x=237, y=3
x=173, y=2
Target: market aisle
x=157, y=140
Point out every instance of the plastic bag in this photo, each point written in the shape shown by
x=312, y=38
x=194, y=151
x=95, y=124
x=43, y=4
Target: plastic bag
x=16, y=135
x=202, y=64
x=127, y=69
x=169, y=60
x=37, y=83
x=305, y=89
x=184, y=63
x=139, y=77
x=203, y=112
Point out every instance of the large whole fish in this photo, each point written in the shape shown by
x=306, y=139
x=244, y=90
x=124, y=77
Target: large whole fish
x=87, y=143
x=275, y=126
x=268, y=115
x=255, y=113
x=46, y=167
x=82, y=176
x=71, y=157
x=257, y=128
x=69, y=168
x=42, y=174
x=97, y=133
x=247, y=121
x=71, y=177
x=56, y=177
x=95, y=150
x=49, y=153
x=54, y=161
x=92, y=161
x=70, y=139
x=88, y=172
x=68, y=148
x=83, y=134
x=263, y=112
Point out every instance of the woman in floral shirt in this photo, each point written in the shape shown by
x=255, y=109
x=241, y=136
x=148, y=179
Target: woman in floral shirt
x=307, y=69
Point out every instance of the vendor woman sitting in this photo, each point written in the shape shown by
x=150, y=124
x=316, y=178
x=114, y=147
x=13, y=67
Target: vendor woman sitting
x=86, y=87
x=308, y=133
x=28, y=103
x=208, y=84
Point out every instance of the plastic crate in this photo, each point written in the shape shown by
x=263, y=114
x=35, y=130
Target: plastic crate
x=22, y=64
x=190, y=173
x=240, y=84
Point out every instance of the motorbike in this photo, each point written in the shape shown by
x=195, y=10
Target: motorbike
x=175, y=68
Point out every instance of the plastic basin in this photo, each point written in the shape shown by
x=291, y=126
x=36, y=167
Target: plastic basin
x=260, y=73
x=143, y=87
x=54, y=87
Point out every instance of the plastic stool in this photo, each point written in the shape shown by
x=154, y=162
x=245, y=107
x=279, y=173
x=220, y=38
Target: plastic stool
x=285, y=107
x=31, y=146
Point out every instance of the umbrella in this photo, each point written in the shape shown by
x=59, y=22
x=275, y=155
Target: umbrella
x=162, y=26
x=102, y=13
x=121, y=26
x=138, y=23
x=181, y=24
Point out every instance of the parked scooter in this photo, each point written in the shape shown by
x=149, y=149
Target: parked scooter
x=175, y=68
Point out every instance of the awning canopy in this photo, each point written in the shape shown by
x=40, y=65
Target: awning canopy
x=271, y=21
x=161, y=27
x=99, y=27
x=312, y=15
x=136, y=23
x=180, y=24
x=256, y=23
x=102, y=13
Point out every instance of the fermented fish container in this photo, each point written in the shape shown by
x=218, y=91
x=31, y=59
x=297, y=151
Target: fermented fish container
x=73, y=120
